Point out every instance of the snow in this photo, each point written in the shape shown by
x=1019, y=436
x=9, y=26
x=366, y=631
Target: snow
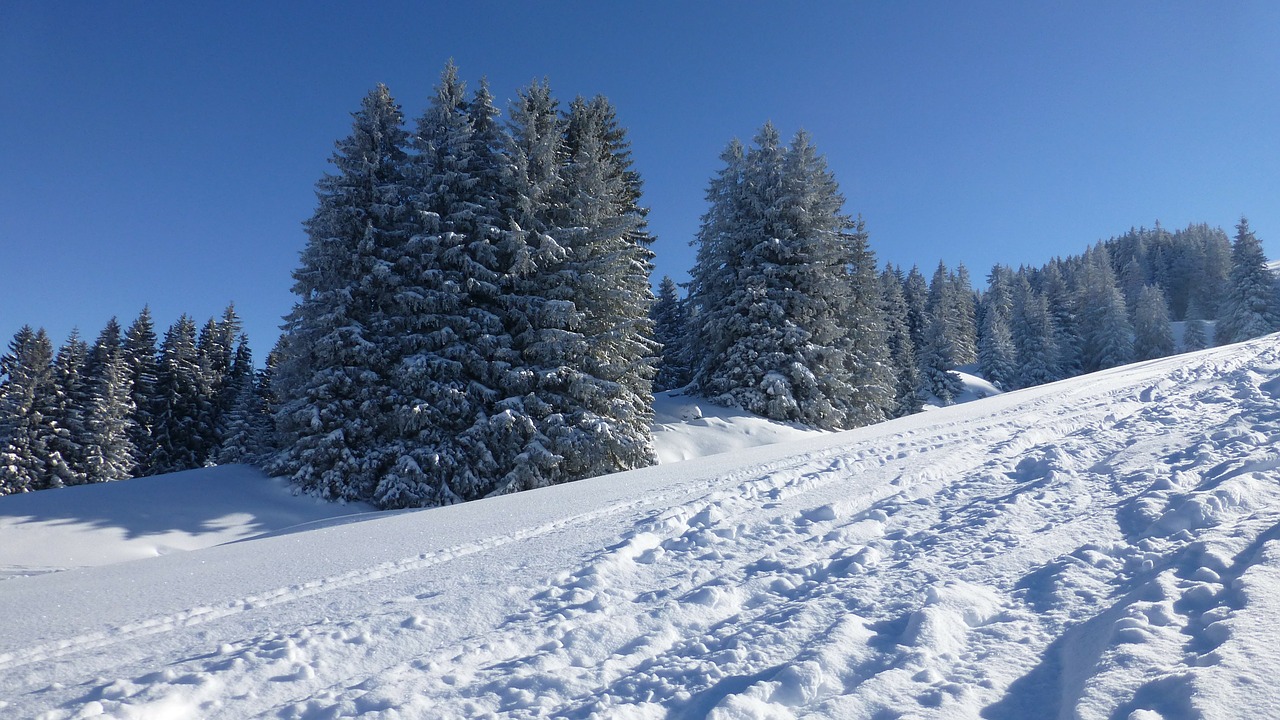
x=1101, y=547
x=687, y=427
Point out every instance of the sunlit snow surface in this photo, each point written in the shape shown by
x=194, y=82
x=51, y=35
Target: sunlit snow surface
x=1103, y=547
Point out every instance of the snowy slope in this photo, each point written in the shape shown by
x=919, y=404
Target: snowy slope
x=1102, y=547
x=145, y=517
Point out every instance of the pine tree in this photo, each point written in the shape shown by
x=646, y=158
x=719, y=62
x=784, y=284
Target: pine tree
x=446, y=325
x=942, y=341
x=1107, y=333
x=182, y=402
x=1248, y=309
x=783, y=318
x=603, y=229
x=996, y=352
x=937, y=359
x=141, y=370
x=108, y=448
x=1195, y=334
x=217, y=346
x=334, y=365
x=1152, y=333
x=244, y=428
x=24, y=426
x=65, y=405
x=110, y=341
x=1034, y=338
x=965, y=330
x=902, y=353
x=670, y=327
x=1061, y=304
x=915, y=291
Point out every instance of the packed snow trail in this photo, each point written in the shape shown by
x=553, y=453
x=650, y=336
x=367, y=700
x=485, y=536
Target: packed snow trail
x=1102, y=547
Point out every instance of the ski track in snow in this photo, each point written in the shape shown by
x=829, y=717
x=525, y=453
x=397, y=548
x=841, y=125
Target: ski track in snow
x=1097, y=548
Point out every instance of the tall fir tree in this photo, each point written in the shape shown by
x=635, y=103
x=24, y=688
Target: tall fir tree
x=1195, y=332
x=1248, y=308
x=25, y=427
x=245, y=426
x=671, y=327
x=1107, y=332
x=1152, y=332
x=66, y=405
x=1060, y=301
x=996, y=352
x=937, y=361
x=182, y=402
x=902, y=352
x=109, y=452
x=141, y=369
x=774, y=293
x=1034, y=339
x=604, y=231
x=334, y=360
x=965, y=332
x=449, y=318
x=915, y=292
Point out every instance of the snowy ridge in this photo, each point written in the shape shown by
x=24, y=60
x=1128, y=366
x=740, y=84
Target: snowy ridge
x=1101, y=547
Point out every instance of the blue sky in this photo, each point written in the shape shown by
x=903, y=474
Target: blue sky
x=166, y=153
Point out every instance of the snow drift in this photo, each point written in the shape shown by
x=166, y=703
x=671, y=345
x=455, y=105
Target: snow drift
x=1102, y=547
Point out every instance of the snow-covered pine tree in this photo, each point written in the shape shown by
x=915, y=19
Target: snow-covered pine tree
x=603, y=230
x=670, y=327
x=1195, y=333
x=786, y=292
x=996, y=351
x=65, y=405
x=915, y=291
x=24, y=428
x=108, y=447
x=217, y=347
x=1060, y=301
x=547, y=351
x=1033, y=335
x=141, y=369
x=182, y=402
x=937, y=361
x=244, y=427
x=1104, y=317
x=109, y=342
x=1248, y=309
x=1152, y=333
x=1212, y=275
x=965, y=331
x=868, y=364
x=334, y=368
x=902, y=353
x=944, y=327
x=446, y=322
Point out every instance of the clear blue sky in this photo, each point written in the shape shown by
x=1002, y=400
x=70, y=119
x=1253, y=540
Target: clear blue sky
x=166, y=153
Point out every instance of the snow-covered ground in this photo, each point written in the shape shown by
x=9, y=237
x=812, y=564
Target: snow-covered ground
x=1103, y=547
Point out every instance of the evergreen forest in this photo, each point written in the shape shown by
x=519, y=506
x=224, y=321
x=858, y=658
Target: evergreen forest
x=475, y=315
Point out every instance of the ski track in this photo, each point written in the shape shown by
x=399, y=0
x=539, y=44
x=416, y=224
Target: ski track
x=1098, y=548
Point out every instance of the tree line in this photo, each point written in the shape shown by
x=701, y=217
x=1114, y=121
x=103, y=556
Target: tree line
x=474, y=317
x=127, y=406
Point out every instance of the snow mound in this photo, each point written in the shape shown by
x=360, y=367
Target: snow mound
x=687, y=427
x=1102, y=547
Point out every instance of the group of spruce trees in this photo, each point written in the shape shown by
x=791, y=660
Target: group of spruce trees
x=768, y=320
x=125, y=407
x=474, y=318
x=473, y=312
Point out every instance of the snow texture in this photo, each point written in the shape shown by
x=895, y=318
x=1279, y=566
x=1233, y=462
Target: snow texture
x=1100, y=547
